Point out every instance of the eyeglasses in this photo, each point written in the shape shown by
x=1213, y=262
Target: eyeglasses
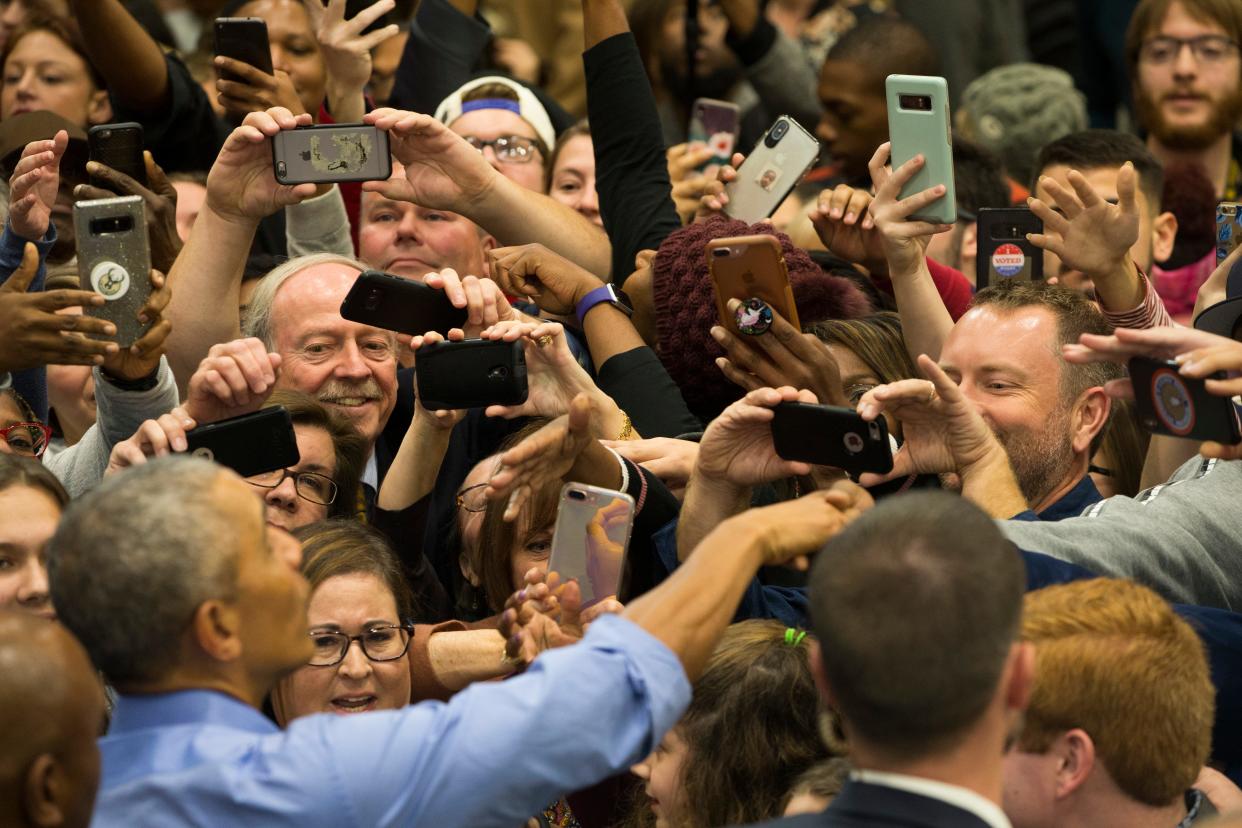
x=385, y=643
x=27, y=439
x=316, y=488
x=471, y=498
x=511, y=149
x=1205, y=48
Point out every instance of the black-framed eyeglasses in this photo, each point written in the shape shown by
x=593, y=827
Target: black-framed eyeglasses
x=471, y=498
x=514, y=149
x=317, y=488
x=1205, y=48
x=27, y=439
x=384, y=643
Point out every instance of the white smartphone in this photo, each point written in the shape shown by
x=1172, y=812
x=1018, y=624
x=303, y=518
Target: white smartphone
x=783, y=155
x=590, y=539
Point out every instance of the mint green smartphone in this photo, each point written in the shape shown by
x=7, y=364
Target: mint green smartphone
x=918, y=122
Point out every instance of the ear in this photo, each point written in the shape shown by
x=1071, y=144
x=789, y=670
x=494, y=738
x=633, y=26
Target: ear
x=1021, y=676
x=816, y=659
x=1089, y=418
x=1076, y=754
x=969, y=248
x=1163, y=235
x=486, y=243
x=99, y=108
x=217, y=631
x=43, y=785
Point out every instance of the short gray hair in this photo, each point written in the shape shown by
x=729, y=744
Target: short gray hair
x=259, y=322
x=134, y=558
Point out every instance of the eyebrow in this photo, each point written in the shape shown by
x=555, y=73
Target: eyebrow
x=366, y=625
x=318, y=468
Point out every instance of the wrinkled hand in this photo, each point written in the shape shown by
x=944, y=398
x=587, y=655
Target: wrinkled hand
x=439, y=170
x=544, y=614
x=787, y=533
x=737, y=446
x=542, y=458
x=842, y=219
x=1088, y=233
x=241, y=185
x=33, y=186
x=235, y=378
x=548, y=279
x=154, y=438
x=159, y=201
x=143, y=357
x=1219, y=790
x=253, y=90
x=782, y=355
x=904, y=239
x=36, y=335
x=669, y=459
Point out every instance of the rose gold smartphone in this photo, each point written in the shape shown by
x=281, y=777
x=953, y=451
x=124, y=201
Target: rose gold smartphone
x=746, y=267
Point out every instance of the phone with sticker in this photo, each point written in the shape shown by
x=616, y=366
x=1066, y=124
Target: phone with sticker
x=114, y=260
x=1228, y=229
x=714, y=124
x=774, y=167
x=1178, y=406
x=331, y=153
x=746, y=268
x=1004, y=254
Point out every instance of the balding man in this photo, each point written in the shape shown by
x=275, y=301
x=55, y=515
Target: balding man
x=51, y=711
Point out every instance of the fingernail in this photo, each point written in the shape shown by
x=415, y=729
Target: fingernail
x=179, y=443
x=515, y=639
x=836, y=212
x=717, y=334
x=849, y=217
x=92, y=166
x=522, y=595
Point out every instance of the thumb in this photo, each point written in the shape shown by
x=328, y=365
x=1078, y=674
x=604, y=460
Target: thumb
x=1127, y=186
x=20, y=281
x=579, y=414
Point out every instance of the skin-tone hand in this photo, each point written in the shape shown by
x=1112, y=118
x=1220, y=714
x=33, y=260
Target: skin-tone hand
x=518, y=58
x=1213, y=289
x=714, y=196
x=669, y=459
x=160, y=201
x=689, y=184
x=255, y=91
x=540, y=616
x=782, y=355
x=241, y=186
x=542, y=458
x=1086, y=232
x=553, y=376
x=904, y=239
x=788, y=532
x=35, y=334
x=154, y=438
x=235, y=378
x=842, y=219
x=549, y=280
x=1219, y=790
x=484, y=301
x=33, y=186
x=443, y=418
x=143, y=357
x=737, y=445
x=346, y=51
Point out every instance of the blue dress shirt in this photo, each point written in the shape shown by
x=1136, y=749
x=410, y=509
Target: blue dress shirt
x=493, y=756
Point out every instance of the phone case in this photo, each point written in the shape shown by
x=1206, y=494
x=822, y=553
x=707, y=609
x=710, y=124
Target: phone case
x=745, y=267
x=1171, y=404
x=244, y=39
x=1228, y=229
x=827, y=435
x=118, y=146
x=1003, y=252
x=471, y=374
x=590, y=540
x=331, y=153
x=714, y=124
x=918, y=122
x=114, y=260
x=403, y=305
x=783, y=155
x=251, y=444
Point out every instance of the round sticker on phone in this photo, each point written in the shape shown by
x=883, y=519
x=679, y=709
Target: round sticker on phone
x=1172, y=401
x=110, y=280
x=1008, y=260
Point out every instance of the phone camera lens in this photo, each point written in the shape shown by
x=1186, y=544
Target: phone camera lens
x=574, y=494
x=500, y=372
x=776, y=133
x=373, y=300
x=281, y=168
x=106, y=134
x=874, y=430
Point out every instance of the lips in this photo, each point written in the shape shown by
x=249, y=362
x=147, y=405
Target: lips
x=346, y=705
x=349, y=402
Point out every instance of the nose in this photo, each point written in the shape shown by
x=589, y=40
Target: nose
x=280, y=58
x=826, y=131
x=32, y=592
x=643, y=769
x=408, y=228
x=284, y=496
x=351, y=363
x=356, y=664
x=1185, y=64
x=588, y=201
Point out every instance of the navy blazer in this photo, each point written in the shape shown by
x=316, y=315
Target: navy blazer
x=862, y=804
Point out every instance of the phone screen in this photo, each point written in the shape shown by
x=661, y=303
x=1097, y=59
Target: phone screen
x=591, y=536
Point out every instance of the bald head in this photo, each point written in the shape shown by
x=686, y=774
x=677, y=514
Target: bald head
x=51, y=711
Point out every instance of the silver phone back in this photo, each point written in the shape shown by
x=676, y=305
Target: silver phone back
x=771, y=171
x=331, y=153
x=590, y=539
x=114, y=260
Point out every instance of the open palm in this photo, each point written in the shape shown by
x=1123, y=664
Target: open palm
x=1087, y=232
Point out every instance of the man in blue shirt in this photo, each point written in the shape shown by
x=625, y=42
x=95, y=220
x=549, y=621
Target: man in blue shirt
x=193, y=608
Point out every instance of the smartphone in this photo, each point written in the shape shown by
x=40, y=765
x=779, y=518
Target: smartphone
x=774, y=167
x=827, y=435
x=1228, y=229
x=328, y=153
x=118, y=146
x=470, y=374
x=745, y=267
x=251, y=444
x=1003, y=251
x=589, y=542
x=1171, y=404
x=401, y=305
x=244, y=39
x=714, y=124
x=918, y=122
x=114, y=260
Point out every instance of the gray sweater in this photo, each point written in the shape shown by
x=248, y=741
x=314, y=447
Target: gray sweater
x=1182, y=538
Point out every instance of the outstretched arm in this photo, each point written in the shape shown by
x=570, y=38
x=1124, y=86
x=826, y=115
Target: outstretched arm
x=129, y=59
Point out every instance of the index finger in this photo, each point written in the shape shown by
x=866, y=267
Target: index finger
x=124, y=183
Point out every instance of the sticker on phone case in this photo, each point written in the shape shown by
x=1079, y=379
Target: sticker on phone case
x=204, y=452
x=768, y=177
x=351, y=151
x=1172, y=400
x=1008, y=260
x=753, y=316
x=110, y=280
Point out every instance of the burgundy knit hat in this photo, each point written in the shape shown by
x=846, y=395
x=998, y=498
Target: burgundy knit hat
x=685, y=306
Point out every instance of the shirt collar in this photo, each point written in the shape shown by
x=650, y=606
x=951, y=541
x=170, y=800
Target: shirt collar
x=1073, y=502
x=370, y=474
x=954, y=795
x=143, y=712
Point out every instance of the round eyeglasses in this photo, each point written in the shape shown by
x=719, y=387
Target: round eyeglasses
x=384, y=643
x=316, y=488
x=27, y=439
x=511, y=149
x=472, y=499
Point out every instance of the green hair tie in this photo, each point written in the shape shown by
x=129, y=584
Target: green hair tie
x=794, y=637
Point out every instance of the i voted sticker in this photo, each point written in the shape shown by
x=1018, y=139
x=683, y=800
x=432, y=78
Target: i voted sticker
x=1008, y=260
x=1172, y=401
x=110, y=280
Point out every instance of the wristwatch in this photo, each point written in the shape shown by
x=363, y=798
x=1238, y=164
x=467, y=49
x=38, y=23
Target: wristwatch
x=604, y=293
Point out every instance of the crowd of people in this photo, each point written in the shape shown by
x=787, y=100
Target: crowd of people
x=1033, y=620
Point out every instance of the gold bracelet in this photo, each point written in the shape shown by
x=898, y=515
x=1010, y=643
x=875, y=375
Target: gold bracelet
x=627, y=428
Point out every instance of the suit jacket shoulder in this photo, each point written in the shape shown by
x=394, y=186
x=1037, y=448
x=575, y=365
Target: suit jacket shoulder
x=862, y=805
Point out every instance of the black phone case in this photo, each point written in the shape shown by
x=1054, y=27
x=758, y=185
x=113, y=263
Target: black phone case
x=403, y=305
x=1003, y=251
x=826, y=435
x=1171, y=404
x=250, y=444
x=118, y=146
x=244, y=39
x=471, y=374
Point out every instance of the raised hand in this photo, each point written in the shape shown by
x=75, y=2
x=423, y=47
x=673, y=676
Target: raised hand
x=548, y=279
x=904, y=240
x=1086, y=232
x=439, y=169
x=842, y=219
x=250, y=89
x=689, y=183
x=553, y=376
x=346, y=51
x=540, y=616
x=442, y=418
x=715, y=196
x=160, y=201
x=484, y=301
x=241, y=185
x=235, y=378
x=33, y=186
x=154, y=438
x=143, y=357
x=737, y=446
x=542, y=458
